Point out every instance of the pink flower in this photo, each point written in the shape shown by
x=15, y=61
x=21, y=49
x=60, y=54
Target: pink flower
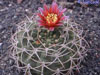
x=51, y=17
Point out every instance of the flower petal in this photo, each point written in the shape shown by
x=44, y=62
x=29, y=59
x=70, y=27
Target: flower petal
x=54, y=7
x=50, y=9
x=41, y=21
x=51, y=28
x=63, y=10
x=45, y=7
x=42, y=17
x=40, y=9
x=54, y=4
x=61, y=13
x=42, y=24
x=64, y=17
x=59, y=24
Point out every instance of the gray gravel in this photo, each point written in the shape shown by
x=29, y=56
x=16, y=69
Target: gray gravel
x=12, y=13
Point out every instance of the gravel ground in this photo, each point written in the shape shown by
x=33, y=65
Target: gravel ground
x=12, y=13
x=89, y=18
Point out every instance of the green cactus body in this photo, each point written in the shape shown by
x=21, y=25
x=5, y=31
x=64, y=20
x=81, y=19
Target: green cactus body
x=48, y=52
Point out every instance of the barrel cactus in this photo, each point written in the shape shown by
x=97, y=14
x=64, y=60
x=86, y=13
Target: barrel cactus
x=47, y=51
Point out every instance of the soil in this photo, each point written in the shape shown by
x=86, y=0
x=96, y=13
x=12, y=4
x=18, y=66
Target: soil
x=88, y=16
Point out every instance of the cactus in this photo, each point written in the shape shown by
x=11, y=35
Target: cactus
x=44, y=52
x=54, y=50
